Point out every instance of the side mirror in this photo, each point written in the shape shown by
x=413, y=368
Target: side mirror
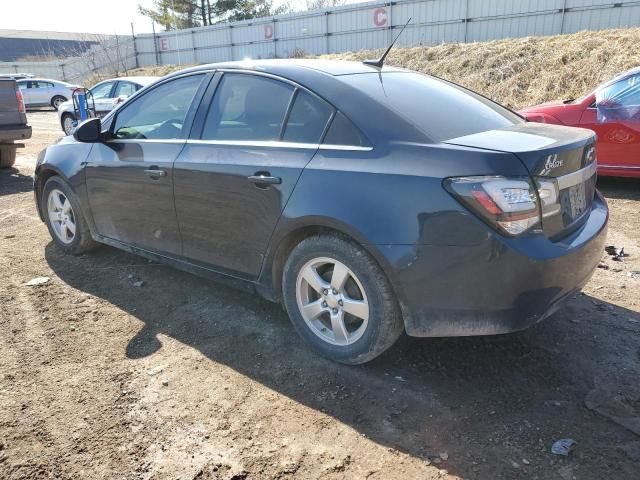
x=89, y=131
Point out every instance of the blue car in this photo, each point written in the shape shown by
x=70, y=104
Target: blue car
x=368, y=200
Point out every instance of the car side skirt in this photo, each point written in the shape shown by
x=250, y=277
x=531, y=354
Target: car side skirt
x=180, y=264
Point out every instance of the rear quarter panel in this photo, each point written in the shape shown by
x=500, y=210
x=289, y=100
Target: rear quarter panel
x=392, y=195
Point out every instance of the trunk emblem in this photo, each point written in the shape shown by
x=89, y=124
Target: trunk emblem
x=590, y=155
x=551, y=163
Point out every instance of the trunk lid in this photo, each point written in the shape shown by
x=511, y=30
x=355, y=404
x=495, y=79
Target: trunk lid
x=557, y=155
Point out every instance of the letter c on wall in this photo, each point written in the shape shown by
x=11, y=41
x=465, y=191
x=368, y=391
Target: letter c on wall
x=380, y=17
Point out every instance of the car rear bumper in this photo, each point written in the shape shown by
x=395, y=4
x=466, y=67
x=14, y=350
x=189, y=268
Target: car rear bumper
x=14, y=132
x=498, y=286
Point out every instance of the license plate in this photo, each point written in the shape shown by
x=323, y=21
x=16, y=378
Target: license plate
x=578, y=198
x=574, y=202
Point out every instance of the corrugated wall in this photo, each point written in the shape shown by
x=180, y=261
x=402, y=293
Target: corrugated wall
x=361, y=26
x=373, y=24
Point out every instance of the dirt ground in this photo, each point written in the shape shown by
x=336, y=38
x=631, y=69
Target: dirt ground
x=185, y=379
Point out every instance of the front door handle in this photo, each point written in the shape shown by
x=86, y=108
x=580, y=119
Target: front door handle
x=155, y=173
x=264, y=178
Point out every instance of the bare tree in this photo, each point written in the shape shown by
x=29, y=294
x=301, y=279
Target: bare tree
x=106, y=57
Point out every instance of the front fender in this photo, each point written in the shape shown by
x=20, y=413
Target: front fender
x=65, y=159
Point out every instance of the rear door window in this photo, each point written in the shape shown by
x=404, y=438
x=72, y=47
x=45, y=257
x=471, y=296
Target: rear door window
x=308, y=119
x=125, y=89
x=343, y=132
x=247, y=108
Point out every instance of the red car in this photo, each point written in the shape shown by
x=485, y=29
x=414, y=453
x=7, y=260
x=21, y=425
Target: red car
x=612, y=111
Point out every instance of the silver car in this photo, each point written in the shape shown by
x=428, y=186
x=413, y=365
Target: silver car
x=106, y=96
x=44, y=92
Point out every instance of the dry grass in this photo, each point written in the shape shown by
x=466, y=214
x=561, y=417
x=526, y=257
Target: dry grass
x=515, y=72
x=159, y=71
x=524, y=71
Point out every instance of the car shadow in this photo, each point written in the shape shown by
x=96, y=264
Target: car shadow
x=12, y=181
x=486, y=401
x=619, y=188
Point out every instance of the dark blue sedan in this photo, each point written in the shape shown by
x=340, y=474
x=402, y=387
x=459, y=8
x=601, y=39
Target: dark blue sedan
x=368, y=200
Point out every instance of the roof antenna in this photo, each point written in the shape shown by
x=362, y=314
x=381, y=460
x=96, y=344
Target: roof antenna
x=380, y=62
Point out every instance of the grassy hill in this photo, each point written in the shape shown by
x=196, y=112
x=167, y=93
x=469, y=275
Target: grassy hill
x=516, y=72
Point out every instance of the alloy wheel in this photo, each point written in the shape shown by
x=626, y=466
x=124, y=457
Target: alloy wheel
x=67, y=124
x=61, y=216
x=332, y=301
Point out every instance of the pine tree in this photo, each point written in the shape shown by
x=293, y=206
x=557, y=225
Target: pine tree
x=173, y=14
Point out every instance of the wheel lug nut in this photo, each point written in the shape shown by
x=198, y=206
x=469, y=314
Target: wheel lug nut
x=325, y=291
x=340, y=302
x=324, y=304
x=334, y=291
x=334, y=310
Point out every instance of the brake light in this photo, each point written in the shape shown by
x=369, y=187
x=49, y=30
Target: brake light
x=20, y=100
x=509, y=205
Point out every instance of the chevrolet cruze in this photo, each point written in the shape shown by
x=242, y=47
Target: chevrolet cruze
x=368, y=200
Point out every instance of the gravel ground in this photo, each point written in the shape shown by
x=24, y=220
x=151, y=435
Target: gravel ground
x=183, y=378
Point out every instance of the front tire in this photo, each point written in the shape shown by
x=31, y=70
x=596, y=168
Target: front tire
x=67, y=123
x=339, y=300
x=67, y=226
x=57, y=101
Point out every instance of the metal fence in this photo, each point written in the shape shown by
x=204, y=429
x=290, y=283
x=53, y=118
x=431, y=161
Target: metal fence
x=111, y=56
x=372, y=25
x=356, y=27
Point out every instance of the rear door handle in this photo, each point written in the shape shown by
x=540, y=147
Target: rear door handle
x=155, y=173
x=264, y=179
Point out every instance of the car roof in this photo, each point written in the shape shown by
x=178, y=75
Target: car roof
x=40, y=79
x=144, y=81
x=280, y=66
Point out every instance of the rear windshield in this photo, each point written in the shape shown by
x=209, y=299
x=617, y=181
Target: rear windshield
x=440, y=109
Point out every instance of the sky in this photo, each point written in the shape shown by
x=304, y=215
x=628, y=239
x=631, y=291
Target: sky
x=86, y=16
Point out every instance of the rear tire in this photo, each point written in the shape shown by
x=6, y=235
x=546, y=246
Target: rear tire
x=64, y=219
x=348, y=312
x=57, y=101
x=7, y=155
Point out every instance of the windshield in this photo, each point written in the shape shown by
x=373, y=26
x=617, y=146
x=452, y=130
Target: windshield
x=440, y=109
x=617, y=78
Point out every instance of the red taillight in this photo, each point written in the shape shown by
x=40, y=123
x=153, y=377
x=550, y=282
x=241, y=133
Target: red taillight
x=485, y=200
x=510, y=204
x=20, y=100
